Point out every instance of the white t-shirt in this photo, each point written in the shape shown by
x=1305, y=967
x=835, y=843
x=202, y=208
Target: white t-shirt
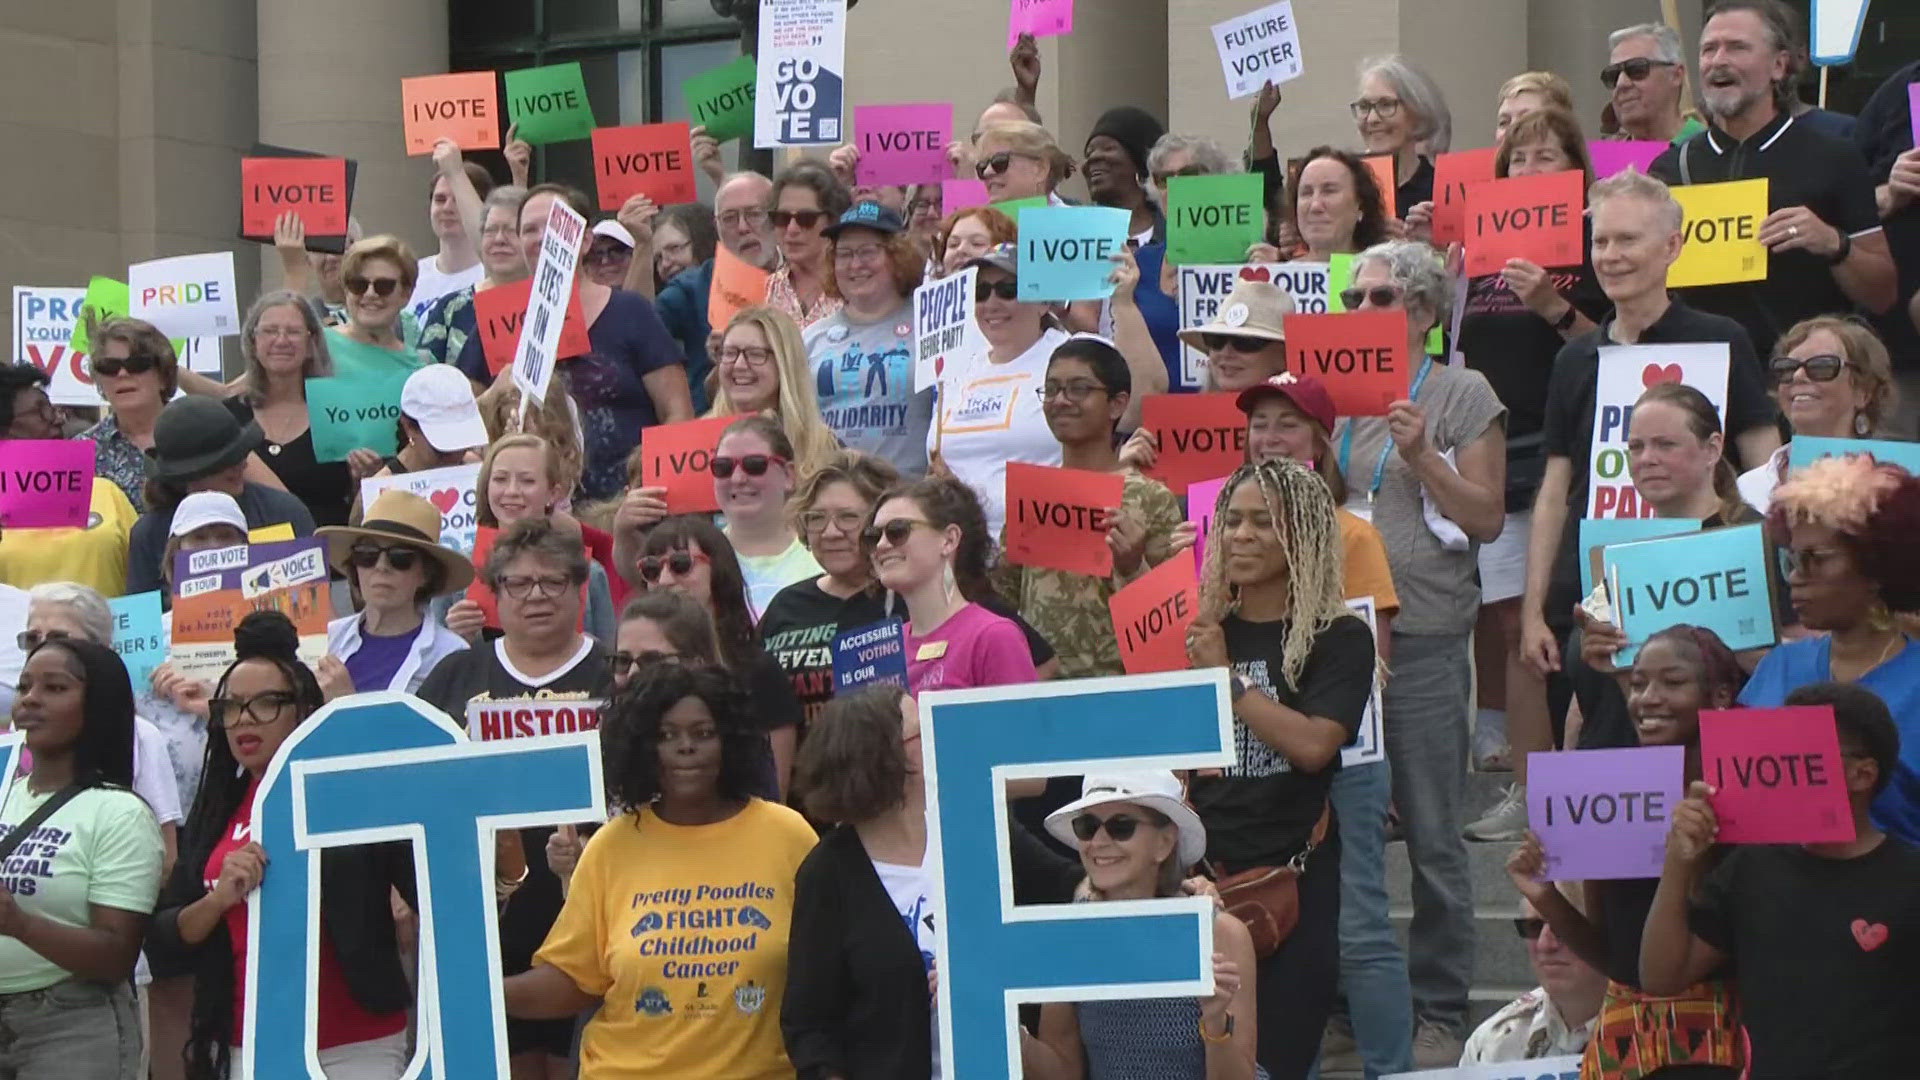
x=912, y=897
x=768, y=574
x=434, y=283
x=102, y=848
x=991, y=414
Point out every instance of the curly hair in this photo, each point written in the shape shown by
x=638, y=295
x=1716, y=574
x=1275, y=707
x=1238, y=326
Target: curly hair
x=945, y=501
x=1374, y=218
x=906, y=264
x=853, y=766
x=870, y=476
x=1875, y=509
x=630, y=731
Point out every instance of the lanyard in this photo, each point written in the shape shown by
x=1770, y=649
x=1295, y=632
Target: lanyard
x=1380, y=467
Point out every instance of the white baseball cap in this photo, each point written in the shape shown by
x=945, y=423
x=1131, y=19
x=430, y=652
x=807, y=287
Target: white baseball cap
x=439, y=399
x=613, y=230
x=203, y=508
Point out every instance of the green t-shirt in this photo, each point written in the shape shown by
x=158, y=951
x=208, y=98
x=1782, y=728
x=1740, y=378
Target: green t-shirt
x=354, y=360
x=102, y=847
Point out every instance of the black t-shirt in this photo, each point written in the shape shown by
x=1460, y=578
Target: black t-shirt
x=327, y=488
x=1884, y=132
x=1568, y=431
x=1803, y=167
x=1514, y=348
x=1415, y=189
x=1826, y=952
x=1263, y=810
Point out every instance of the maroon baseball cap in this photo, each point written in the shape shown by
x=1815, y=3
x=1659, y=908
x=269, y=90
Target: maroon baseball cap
x=1304, y=391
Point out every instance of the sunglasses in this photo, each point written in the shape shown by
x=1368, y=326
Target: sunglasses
x=680, y=561
x=1635, y=69
x=1244, y=345
x=1379, y=296
x=1529, y=928
x=398, y=556
x=608, y=256
x=136, y=364
x=1120, y=826
x=29, y=640
x=997, y=164
x=1823, y=368
x=807, y=218
x=895, y=531
x=751, y=464
x=986, y=290
x=382, y=287
x=620, y=663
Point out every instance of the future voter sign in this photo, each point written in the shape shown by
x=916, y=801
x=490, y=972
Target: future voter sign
x=1257, y=48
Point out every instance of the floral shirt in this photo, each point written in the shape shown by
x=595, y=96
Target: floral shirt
x=447, y=324
x=116, y=458
x=781, y=294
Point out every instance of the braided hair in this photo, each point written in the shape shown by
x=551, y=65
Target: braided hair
x=1303, y=517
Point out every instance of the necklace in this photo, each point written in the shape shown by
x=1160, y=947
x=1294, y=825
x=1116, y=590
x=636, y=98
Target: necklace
x=1898, y=638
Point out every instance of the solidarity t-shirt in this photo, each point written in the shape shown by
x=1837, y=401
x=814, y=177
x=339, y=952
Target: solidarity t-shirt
x=974, y=647
x=992, y=414
x=102, y=847
x=863, y=373
x=683, y=930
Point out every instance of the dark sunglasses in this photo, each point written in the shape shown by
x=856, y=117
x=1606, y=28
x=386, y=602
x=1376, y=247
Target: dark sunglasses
x=807, y=218
x=680, y=561
x=1823, y=368
x=1380, y=296
x=1246, y=345
x=986, y=290
x=1120, y=826
x=358, y=285
x=751, y=464
x=29, y=640
x=607, y=256
x=1635, y=69
x=995, y=165
x=136, y=364
x=398, y=556
x=1529, y=928
x=620, y=663
x=895, y=532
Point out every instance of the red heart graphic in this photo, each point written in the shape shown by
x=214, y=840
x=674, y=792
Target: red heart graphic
x=446, y=499
x=1654, y=374
x=1255, y=273
x=1870, y=935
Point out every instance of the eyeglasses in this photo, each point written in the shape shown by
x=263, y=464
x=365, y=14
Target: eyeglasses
x=998, y=163
x=620, y=663
x=610, y=255
x=733, y=219
x=250, y=712
x=806, y=218
x=137, y=364
x=382, y=287
x=986, y=290
x=1075, y=392
x=1120, y=826
x=291, y=333
x=750, y=355
x=846, y=521
x=1823, y=368
x=863, y=253
x=1635, y=69
x=399, y=557
x=521, y=588
x=1184, y=170
x=751, y=464
x=930, y=207
x=895, y=532
x=1379, y=296
x=680, y=561
x=1529, y=928
x=1239, y=344
x=1793, y=561
x=29, y=640
x=1384, y=108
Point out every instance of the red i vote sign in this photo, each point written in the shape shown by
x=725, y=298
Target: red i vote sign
x=1777, y=774
x=500, y=312
x=1151, y=617
x=1452, y=174
x=463, y=106
x=314, y=188
x=1536, y=218
x=679, y=457
x=1056, y=518
x=655, y=160
x=1201, y=436
x=1359, y=356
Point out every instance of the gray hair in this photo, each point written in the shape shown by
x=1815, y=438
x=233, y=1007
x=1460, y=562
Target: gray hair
x=1433, y=121
x=87, y=605
x=1417, y=269
x=1631, y=183
x=319, y=363
x=1206, y=153
x=1666, y=40
x=508, y=197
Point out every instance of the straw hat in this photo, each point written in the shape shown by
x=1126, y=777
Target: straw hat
x=408, y=518
x=1254, y=309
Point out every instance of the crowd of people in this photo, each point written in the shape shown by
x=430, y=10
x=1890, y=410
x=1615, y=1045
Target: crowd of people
x=846, y=497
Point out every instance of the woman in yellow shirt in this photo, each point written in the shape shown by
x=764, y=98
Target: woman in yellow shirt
x=675, y=928
x=95, y=555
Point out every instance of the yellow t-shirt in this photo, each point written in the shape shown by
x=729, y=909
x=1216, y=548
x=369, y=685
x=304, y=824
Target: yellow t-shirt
x=1367, y=570
x=94, y=556
x=682, y=930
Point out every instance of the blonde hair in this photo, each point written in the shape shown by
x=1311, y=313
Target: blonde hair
x=385, y=246
x=556, y=420
x=1023, y=137
x=1554, y=89
x=484, y=508
x=799, y=403
x=1873, y=368
x=1303, y=518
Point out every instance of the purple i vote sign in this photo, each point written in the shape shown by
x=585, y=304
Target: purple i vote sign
x=1604, y=814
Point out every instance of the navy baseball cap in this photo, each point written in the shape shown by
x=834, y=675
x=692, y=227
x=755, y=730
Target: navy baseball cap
x=866, y=215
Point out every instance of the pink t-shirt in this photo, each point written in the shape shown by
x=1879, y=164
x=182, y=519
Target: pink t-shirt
x=974, y=647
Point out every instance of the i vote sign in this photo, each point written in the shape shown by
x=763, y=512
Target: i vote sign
x=1625, y=372
x=1201, y=436
x=1066, y=252
x=1213, y=219
x=1151, y=617
x=1257, y=48
x=1717, y=579
x=1535, y=218
x=1777, y=774
x=1603, y=815
x=463, y=106
x=679, y=457
x=45, y=483
x=1359, y=356
x=1807, y=449
x=313, y=187
x=1453, y=174
x=721, y=99
x=1056, y=518
x=1616, y=155
x=655, y=160
x=1041, y=18
x=549, y=104
x=501, y=311
x=186, y=295
x=1722, y=233
x=903, y=144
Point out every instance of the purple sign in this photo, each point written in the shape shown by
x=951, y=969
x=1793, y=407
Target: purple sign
x=1913, y=110
x=45, y=483
x=1613, y=155
x=956, y=195
x=1201, y=495
x=903, y=144
x=1604, y=814
x=1041, y=18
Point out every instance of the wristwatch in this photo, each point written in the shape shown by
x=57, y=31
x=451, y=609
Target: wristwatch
x=1240, y=688
x=1846, y=249
x=1565, y=322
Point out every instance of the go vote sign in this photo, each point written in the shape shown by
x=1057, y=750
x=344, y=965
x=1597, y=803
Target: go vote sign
x=1359, y=356
x=450, y=490
x=1213, y=219
x=995, y=956
x=1721, y=230
x=655, y=160
x=679, y=458
x=869, y=655
x=1625, y=372
x=187, y=295
x=387, y=768
x=1604, y=814
x=549, y=104
x=1535, y=218
x=1066, y=252
x=1056, y=518
x=1204, y=288
x=1777, y=774
x=1716, y=579
x=801, y=88
x=1566, y=1067
x=353, y=414
x=45, y=483
x=1258, y=48
x=903, y=144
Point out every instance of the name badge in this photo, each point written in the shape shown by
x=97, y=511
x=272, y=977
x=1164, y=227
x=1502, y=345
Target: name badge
x=932, y=650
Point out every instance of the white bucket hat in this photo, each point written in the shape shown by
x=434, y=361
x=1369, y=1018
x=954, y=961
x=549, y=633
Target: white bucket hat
x=1156, y=790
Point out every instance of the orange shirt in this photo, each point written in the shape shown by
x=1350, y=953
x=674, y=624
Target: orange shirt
x=1367, y=571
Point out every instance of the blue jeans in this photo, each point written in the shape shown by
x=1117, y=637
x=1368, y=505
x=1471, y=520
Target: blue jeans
x=1373, y=969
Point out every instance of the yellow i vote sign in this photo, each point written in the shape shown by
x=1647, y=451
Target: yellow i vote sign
x=1722, y=233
